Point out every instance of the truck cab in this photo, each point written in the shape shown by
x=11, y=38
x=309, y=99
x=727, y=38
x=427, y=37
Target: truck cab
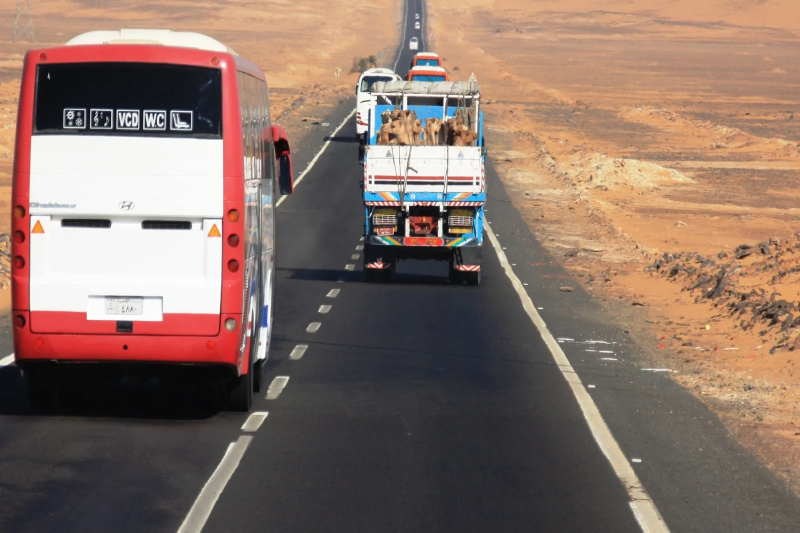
x=426, y=73
x=426, y=59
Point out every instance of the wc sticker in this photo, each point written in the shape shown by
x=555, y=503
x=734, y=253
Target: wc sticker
x=74, y=118
x=180, y=120
x=154, y=120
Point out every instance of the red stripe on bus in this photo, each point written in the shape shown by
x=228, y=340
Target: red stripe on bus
x=77, y=323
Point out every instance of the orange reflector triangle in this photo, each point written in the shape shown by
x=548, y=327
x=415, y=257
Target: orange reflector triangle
x=37, y=228
x=213, y=233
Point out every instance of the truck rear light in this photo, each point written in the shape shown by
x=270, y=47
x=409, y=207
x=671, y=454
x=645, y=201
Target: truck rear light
x=19, y=212
x=233, y=240
x=233, y=215
x=19, y=237
x=233, y=265
x=19, y=262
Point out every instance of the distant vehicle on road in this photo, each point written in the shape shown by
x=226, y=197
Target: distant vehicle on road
x=425, y=59
x=428, y=74
x=365, y=83
x=144, y=188
x=425, y=201
x=416, y=25
x=416, y=16
x=413, y=44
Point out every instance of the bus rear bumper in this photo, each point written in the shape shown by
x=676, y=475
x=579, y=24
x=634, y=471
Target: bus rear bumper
x=219, y=349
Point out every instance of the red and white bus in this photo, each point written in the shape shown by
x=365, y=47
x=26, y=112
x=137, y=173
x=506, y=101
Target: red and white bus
x=146, y=174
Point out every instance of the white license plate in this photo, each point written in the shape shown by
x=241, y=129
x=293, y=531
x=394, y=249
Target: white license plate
x=124, y=306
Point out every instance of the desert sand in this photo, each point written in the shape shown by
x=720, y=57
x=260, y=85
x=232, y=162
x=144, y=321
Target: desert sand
x=645, y=142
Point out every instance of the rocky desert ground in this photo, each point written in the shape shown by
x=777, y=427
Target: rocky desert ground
x=653, y=148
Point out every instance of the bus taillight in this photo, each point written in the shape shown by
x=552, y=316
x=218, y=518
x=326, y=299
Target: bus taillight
x=233, y=240
x=233, y=215
x=233, y=265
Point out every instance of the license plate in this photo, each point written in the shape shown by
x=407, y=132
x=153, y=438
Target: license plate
x=385, y=230
x=124, y=306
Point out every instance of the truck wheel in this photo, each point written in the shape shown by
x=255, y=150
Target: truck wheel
x=388, y=274
x=472, y=278
x=454, y=275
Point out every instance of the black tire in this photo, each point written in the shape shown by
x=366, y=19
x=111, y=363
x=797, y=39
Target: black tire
x=472, y=278
x=241, y=396
x=258, y=375
x=41, y=394
x=453, y=275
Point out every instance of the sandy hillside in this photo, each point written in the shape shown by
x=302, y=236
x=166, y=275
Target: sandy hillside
x=653, y=147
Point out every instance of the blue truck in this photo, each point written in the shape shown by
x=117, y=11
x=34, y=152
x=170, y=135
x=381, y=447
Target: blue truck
x=424, y=197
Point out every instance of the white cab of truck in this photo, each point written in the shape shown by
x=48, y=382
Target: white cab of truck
x=363, y=101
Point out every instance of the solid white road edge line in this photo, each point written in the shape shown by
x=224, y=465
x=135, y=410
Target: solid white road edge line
x=298, y=352
x=254, y=421
x=204, y=504
x=644, y=510
x=276, y=387
x=319, y=154
x=7, y=360
x=402, y=35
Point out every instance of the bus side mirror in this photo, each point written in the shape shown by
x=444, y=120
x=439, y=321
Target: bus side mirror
x=284, y=157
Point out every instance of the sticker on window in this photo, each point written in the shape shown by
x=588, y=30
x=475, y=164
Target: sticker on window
x=74, y=119
x=154, y=120
x=180, y=120
x=101, y=119
x=127, y=119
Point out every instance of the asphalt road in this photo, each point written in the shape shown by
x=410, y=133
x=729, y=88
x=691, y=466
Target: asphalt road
x=416, y=406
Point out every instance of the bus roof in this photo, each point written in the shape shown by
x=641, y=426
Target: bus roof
x=426, y=54
x=427, y=68
x=181, y=39
x=379, y=72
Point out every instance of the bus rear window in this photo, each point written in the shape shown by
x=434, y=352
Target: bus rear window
x=128, y=99
x=427, y=63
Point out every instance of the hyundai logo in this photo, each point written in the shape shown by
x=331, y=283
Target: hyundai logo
x=127, y=205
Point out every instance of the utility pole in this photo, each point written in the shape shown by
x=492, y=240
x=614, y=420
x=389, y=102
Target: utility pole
x=23, y=22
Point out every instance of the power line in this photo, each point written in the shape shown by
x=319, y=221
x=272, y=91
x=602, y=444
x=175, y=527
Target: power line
x=23, y=21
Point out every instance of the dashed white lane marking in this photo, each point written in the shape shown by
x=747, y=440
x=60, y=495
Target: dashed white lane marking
x=319, y=154
x=350, y=267
x=656, y=370
x=254, y=421
x=313, y=327
x=333, y=293
x=7, y=360
x=360, y=247
x=361, y=239
x=324, y=309
x=355, y=256
x=643, y=508
x=608, y=358
x=204, y=504
x=276, y=387
x=298, y=352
